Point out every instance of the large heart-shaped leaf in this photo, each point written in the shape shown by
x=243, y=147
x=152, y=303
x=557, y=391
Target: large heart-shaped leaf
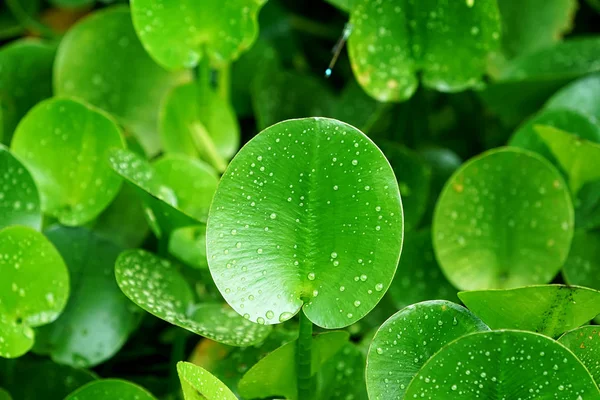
x=179, y=34
x=584, y=342
x=98, y=318
x=408, y=339
x=308, y=212
x=110, y=389
x=19, y=199
x=65, y=144
x=197, y=383
x=504, y=219
x=446, y=42
x=158, y=287
x=583, y=264
x=503, y=365
x=26, y=79
x=547, y=309
x=33, y=289
x=101, y=60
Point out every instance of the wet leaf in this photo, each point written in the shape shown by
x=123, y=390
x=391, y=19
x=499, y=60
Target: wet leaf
x=446, y=42
x=546, y=309
x=101, y=60
x=505, y=364
x=504, y=219
x=408, y=339
x=98, y=318
x=584, y=342
x=317, y=202
x=65, y=144
x=198, y=384
x=33, y=290
x=158, y=287
x=583, y=96
x=178, y=35
x=110, y=389
x=583, y=264
x=19, y=198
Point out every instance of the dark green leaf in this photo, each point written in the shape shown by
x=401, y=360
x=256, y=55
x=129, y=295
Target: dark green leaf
x=582, y=95
x=583, y=264
x=584, y=342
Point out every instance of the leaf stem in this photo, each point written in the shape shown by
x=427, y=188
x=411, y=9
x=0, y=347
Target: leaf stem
x=304, y=358
x=314, y=28
x=204, y=74
x=224, y=82
x=28, y=22
x=205, y=145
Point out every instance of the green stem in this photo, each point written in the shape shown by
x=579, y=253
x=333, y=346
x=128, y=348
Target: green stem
x=314, y=28
x=177, y=354
x=205, y=145
x=224, y=82
x=203, y=74
x=304, y=358
x=28, y=21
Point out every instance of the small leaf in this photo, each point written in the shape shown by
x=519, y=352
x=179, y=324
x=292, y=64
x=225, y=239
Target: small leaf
x=503, y=365
x=198, y=384
x=65, y=144
x=317, y=202
x=101, y=61
x=275, y=375
x=158, y=287
x=504, y=219
x=546, y=309
x=19, y=199
x=408, y=339
x=446, y=42
x=179, y=35
x=584, y=342
x=110, y=389
x=33, y=290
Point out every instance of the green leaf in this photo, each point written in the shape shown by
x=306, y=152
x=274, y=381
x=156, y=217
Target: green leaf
x=11, y=26
x=158, y=287
x=357, y=108
x=343, y=5
x=101, y=60
x=583, y=264
x=25, y=80
x=587, y=206
x=343, y=375
x=196, y=121
x=110, y=389
x=189, y=246
x=446, y=42
x=308, y=212
x=503, y=365
x=19, y=199
x=72, y=3
x=275, y=375
x=27, y=378
x=504, y=219
x=583, y=96
x=584, y=342
x=199, y=384
x=579, y=158
x=546, y=309
x=33, y=290
x=65, y=144
x=98, y=318
x=418, y=277
x=178, y=35
x=4, y=395
x=408, y=339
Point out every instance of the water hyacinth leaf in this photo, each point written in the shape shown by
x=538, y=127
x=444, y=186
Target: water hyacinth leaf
x=400, y=348
x=504, y=219
x=110, y=389
x=583, y=264
x=65, y=144
x=318, y=202
x=217, y=30
x=158, y=287
x=584, y=342
x=275, y=375
x=197, y=383
x=33, y=290
x=546, y=309
x=583, y=96
x=26, y=79
x=505, y=364
x=75, y=338
x=579, y=158
x=101, y=61
x=343, y=375
x=188, y=245
x=19, y=198
x=419, y=277
x=195, y=121
x=446, y=42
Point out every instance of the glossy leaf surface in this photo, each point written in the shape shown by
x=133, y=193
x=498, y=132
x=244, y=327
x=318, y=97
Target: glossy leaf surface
x=198, y=383
x=584, y=342
x=110, y=389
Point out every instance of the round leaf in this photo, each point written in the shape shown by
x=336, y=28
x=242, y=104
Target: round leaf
x=19, y=199
x=503, y=365
x=408, y=339
x=179, y=34
x=197, y=382
x=158, y=287
x=65, y=144
x=33, y=289
x=101, y=60
x=98, y=318
x=308, y=212
x=584, y=342
x=504, y=219
x=110, y=389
